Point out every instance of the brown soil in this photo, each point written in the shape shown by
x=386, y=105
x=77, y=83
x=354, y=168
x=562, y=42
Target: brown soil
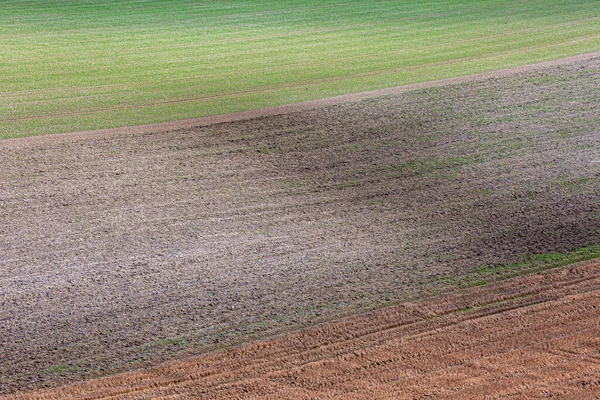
x=119, y=251
x=531, y=337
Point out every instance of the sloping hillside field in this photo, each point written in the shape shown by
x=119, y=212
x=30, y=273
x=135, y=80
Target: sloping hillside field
x=71, y=65
x=529, y=338
x=119, y=252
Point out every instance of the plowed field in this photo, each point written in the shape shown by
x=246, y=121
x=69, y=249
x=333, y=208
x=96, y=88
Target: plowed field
x=119, y=252
x=532, y=337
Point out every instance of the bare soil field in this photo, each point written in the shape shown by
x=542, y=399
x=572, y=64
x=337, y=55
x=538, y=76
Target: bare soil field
x=528, y=338
x=121, y=251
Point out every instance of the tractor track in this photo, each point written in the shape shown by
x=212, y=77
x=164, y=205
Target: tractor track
x=547, y=328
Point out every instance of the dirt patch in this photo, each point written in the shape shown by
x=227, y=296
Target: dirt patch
x=118, y=252
x=531, y=337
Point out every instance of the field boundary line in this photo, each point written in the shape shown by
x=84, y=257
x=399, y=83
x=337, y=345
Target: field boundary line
x=287, y=108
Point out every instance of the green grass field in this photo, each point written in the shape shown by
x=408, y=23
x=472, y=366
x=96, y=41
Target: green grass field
x=68, y=65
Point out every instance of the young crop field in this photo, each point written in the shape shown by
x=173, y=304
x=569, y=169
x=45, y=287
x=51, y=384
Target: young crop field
x=79, y=65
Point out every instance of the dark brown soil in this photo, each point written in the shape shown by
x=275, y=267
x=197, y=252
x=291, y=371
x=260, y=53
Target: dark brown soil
x=119, y=251
x=529, y=338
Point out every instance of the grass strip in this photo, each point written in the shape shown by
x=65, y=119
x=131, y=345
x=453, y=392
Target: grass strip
x=485, y=274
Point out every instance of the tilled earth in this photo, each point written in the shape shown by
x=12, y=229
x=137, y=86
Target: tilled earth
x=122, y=251
x=528, y=338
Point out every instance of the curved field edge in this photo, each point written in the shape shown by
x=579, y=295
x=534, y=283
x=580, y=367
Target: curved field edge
x=71, y=66
x=293, y=107
x=468, y=343
x=121, y=252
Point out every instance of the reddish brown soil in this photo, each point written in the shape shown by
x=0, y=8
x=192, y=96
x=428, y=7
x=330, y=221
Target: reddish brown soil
x=121, y=251
x=531, y=337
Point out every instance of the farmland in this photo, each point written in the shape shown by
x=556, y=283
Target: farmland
x=78, y=65
x=123, y=251
x=470, y=343
x=299, y=199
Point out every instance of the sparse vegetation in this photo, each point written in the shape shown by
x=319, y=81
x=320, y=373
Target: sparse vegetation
x=485, y=274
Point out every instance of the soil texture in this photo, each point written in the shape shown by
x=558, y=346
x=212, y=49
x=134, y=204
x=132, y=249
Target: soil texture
x=528, y=338
x=118, y=252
